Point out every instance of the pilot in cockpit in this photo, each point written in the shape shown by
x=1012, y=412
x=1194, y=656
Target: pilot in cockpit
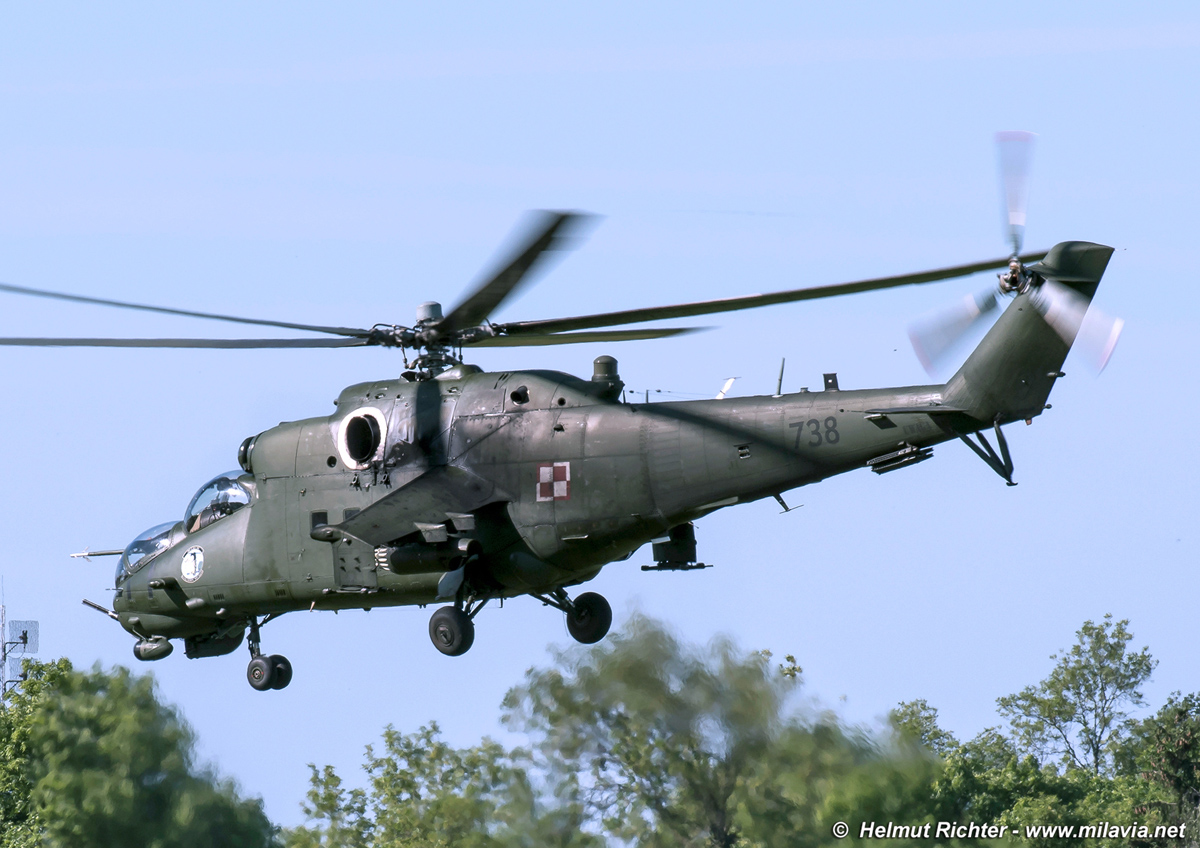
x=218, y=498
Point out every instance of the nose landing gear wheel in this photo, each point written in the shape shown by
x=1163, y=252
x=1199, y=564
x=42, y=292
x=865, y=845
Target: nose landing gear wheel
x=451, y=631
x=261, y=673
x=589, y=618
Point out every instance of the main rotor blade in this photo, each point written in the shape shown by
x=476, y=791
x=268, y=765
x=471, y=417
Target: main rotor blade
x=206, y=343
x=99, y=301
x=536, y=339
x=753, y=301
x=547, y=231
x=933, y=337
x=1015, y=150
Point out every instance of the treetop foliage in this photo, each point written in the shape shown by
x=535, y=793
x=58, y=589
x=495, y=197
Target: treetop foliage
x=1080, y=712
x=640, y=740
x=94, y=759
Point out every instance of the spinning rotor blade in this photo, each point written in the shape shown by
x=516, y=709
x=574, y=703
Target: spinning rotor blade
x=78, y=298
x=548, y=231
x=1062, y=307
x=1016, y=152
x=1098, y=337
x=536, y=339
x=731, y=304
x=209, y=343
x=1072, y=317
x=933, y=337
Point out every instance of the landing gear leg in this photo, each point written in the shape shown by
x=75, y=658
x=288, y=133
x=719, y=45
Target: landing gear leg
x=1002, y=462
x=266, y=672
x=589, y=616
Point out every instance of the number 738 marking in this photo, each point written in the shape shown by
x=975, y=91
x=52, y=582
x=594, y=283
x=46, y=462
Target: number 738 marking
x=817, y=436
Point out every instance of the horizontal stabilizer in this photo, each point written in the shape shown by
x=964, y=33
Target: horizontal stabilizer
x=916, y=410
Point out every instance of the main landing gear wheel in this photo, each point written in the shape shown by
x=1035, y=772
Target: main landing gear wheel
x=281, y=670
x=451, y=631
x=589, y=618
x=261, y=673
x=266, y=672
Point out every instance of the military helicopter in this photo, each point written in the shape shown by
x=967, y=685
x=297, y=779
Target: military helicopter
x=454, y=485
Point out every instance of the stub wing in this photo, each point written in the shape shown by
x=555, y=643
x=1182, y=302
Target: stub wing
x=428, y=499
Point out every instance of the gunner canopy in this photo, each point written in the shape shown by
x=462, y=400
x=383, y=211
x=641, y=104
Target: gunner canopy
x=144, y=548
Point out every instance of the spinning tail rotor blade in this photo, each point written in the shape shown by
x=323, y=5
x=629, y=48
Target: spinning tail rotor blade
x=1093, y=332
x=1015, y=151
x=934, y=336
x=1098, y=337
x=1062, y=307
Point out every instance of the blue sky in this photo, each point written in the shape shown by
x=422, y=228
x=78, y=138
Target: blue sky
x=341, y=166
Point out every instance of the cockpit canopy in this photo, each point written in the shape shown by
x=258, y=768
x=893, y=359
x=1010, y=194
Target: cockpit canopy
x=219, y=497
x=144, y=548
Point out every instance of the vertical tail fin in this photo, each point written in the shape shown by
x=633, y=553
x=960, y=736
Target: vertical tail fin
x=1010, y=374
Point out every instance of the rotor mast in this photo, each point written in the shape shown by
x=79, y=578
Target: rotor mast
x=436, y=355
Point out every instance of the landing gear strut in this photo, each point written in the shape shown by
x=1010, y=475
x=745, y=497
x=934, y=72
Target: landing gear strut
x=1001, y=463
x=589, y=616
x=452, y=629
x=266, y=672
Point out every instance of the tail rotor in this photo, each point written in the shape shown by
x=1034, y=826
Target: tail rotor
x=932, y=337
x=1063, y=308
x=1015, y=149
x=1093, y=332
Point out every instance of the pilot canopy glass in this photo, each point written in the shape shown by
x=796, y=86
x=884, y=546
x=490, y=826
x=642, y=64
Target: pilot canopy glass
x=219, y=497
x=144, y=548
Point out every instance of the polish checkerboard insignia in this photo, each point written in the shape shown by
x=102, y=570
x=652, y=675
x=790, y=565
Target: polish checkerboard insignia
x=554, y=481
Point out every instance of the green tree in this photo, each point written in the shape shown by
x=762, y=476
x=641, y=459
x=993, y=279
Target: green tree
x=425, y=793
x=340, y=814
x=1079, y=713
x=95, y=759
x=1164, y=749
x=660, y=735
x=20, y=825
x=987, y=780
x=428, y=793
x=651, y=742
x=1170, y=747
x=678, y=746
x=821, y=772
x=916, y=721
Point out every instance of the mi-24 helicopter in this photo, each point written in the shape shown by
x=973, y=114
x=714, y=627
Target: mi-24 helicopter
x=452, y=484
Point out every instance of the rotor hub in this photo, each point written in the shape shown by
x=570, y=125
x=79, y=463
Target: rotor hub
x=429, y=312
x=1017, y=279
